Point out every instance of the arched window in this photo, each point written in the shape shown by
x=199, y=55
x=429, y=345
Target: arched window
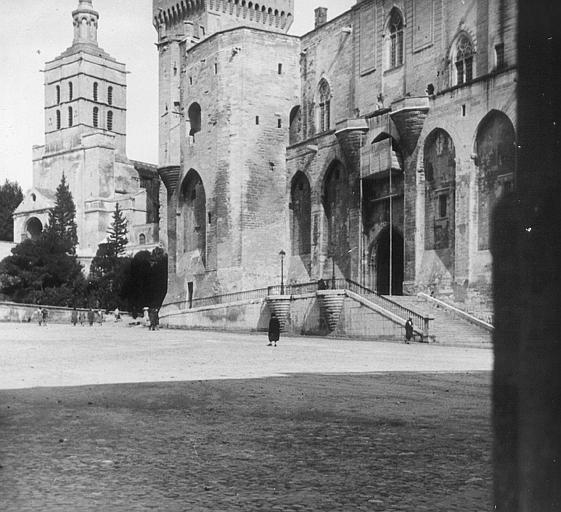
x=110, y=95
x=58, y=120
x=110, y=120
x=96, y=117
x=395, y=29
x=440, y=192
x=301, y=213
x=324, y=106
x=70, y=91
x=194, y=114
x=70, y=116
x=58, y=94
x=142, y=239
x=95, y=88
x=295, y=125
x=463, y=60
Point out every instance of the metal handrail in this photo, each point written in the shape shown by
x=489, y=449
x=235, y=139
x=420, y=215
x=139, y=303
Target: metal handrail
x=464, y=315
x=293, y=289
x=225, y=298
x=420, y=321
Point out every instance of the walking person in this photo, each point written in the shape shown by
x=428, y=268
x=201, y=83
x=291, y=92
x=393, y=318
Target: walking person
x=74, y=317
x=100, y=316
x=274, y=330
x=409, y=333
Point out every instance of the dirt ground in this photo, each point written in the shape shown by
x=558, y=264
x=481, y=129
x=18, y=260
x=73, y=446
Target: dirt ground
x=332, y=440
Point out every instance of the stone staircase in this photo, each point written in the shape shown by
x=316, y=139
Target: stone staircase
x=446, y=328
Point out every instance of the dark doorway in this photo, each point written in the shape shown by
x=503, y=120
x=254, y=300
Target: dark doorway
x=383, y=263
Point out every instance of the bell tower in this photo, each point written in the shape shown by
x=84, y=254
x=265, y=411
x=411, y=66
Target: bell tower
x=85, y=89
x=85, y=23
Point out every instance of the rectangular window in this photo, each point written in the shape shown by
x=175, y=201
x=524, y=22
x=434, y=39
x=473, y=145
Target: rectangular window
x=215, y=68
x=500, y=55
x=279, y=123
x=280, y=68
x=256, y=119
x=443, y=206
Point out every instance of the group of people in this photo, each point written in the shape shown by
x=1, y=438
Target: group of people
x=42, y=315
x=152, y=318
x=91, y=316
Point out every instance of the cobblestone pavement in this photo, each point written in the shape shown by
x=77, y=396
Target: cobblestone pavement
x=129, y=419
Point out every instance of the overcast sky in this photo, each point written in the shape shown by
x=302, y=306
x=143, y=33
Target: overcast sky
x=35, y=31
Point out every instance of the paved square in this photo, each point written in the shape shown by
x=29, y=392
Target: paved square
x=121, y=418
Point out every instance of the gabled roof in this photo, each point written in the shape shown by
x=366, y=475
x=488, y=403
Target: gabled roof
x=36, y=200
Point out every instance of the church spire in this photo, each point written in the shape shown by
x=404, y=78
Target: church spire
x=85, y=23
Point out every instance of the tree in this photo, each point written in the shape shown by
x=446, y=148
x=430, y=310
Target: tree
x=117, y=240
x=11, y=196
x=62, y=219
x=42, y=272
x=47, y=271
x=106, y=280
x=146, y=283
x=109, y=268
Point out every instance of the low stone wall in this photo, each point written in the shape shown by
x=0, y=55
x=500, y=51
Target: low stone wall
x=305, y=318
x=14, y=312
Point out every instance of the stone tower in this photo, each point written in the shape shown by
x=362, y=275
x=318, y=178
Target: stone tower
x=229, y=78
x=85, y=139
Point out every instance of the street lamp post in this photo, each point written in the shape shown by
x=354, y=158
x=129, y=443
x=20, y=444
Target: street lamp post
x=282, y=254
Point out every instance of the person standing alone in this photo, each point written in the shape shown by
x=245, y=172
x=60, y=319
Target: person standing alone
x=274, y=330
x=409, y=332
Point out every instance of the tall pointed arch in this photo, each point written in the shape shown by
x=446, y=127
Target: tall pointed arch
x=193, y=214
x=495, y=148
x=301, y=214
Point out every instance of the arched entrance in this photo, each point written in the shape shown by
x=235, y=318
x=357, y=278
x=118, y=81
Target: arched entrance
x=380, y=268
x=34, y=228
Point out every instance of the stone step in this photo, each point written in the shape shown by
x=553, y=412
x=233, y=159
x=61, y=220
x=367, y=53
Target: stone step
x=446, y=328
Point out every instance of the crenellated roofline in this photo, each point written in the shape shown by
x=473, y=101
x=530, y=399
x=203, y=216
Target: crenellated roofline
x=277, y=13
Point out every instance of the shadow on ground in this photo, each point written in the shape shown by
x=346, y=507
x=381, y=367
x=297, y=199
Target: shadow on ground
x=346, y=442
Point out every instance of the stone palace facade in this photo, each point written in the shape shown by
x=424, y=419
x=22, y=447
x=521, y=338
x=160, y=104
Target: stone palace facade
x=372, y=148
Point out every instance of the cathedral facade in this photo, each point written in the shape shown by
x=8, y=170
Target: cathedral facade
x=373, y=148
x=85, y=140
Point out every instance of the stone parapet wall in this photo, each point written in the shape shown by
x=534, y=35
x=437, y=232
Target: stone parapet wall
x=304, y=318
x=13, y=312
